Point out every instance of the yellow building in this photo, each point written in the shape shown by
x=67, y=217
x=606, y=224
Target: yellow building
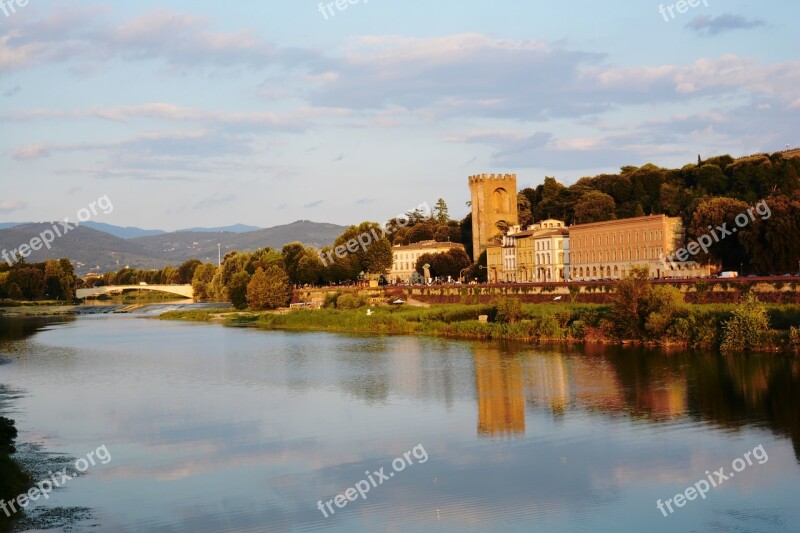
x=405, y=257
x=494, y=263
x=608, y=250
x=537, y=254
x=494, y=205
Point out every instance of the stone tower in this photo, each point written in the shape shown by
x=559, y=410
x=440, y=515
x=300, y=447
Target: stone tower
x=494, y=199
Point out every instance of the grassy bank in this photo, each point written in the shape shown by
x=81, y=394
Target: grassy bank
x=697, y=326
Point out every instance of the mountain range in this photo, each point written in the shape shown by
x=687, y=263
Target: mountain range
x=98, y=247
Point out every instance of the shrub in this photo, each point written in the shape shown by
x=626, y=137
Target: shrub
x=747, y=327
x=794, y=337
x=350, y=301
x=577, y=330
x=508, y=310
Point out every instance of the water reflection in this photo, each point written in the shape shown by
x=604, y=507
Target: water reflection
x=500, y=392
x=730, y=392
x=232, y=429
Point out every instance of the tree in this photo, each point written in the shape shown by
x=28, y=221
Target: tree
x=309, y=268
x=292, y=253
x=237, y=289
x=269, y=289
x=748, y=326
x=202, y=280
x=629, y=308
x=524, y=213
x=771, y=243
x=718, y=212
x=595, y=206
x=186, y=270
x=440, y=212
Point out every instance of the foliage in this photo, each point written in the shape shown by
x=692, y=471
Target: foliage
x=748, y=326
x=237, y=289
x=350, y=301
x=268, y=289
x=203, y=275
x=449, y=263
x=508, y=310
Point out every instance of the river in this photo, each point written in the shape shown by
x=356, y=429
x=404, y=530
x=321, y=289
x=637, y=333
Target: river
x=212, y=428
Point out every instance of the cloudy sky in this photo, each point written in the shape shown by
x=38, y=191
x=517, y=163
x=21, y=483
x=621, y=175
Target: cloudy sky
x=193, y=112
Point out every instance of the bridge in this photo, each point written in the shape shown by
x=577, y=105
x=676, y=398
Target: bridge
x=181, y=290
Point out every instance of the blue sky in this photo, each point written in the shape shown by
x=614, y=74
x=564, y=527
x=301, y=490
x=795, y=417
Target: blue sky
x=199, y=113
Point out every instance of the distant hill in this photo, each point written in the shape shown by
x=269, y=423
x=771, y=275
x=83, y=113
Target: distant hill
x=94, y=250
x=203, y=245
x=4, y=225
x=127, y=232
x=236, y=228
x=87, y=247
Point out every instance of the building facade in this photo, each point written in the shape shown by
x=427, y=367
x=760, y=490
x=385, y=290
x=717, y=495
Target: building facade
x=608, y=250
x=405, y=257
x=537, y=254
x=494, y=205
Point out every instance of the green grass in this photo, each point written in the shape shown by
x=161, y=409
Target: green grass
x=693, y=325
x=195, y=315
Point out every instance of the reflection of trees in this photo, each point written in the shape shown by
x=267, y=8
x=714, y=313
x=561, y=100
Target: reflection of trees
x=19, y=328
x=727, y=391
x=654, y=385
x=733, y=391
x=501, y=396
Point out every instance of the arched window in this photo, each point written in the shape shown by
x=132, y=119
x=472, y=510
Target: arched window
x=500, y=200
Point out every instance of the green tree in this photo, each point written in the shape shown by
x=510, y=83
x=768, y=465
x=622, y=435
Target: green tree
x=237, y=289
x=716, y=212
x=595, y=206
x=202, y=280
x=187, y=269
x=629, y=308
x=508, y=310
x=524, y=212
x=748, y=326
x=440, y=212
x=292, y=254
x=269, y=289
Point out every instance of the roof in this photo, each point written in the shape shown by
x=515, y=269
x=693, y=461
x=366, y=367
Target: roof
x=619, y=221
x=426, y=245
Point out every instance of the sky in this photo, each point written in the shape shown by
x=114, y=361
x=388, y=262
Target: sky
x=207, y=113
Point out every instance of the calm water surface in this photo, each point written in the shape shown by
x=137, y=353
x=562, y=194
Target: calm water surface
x=227, y=429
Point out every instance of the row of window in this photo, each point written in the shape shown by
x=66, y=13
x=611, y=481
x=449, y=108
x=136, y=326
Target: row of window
x=633, y=254
x=612, y=238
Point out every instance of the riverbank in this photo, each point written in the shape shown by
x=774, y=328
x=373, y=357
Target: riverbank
x=13, y=479
x=694, y=326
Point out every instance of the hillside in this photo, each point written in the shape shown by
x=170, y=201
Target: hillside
x=180, y=246
x=94, y=250
x=87, y=247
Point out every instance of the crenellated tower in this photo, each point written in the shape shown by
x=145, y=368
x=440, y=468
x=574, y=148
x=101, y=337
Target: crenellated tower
x=494, y=199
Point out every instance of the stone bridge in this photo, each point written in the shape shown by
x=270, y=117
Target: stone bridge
x=181, y=290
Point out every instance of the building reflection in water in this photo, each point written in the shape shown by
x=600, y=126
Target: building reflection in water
x=501, y=395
